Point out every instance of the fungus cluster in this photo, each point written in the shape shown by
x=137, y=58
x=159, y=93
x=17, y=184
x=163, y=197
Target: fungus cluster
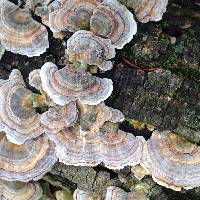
x=78, y=128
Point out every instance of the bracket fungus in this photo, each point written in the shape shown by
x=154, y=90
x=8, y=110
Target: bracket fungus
x=18, y=118
x=20, y=191
x=65, y=85
x=92, y=140
x=172, y=161
x=73, y=15
x=20, y=33
x=26, y=162
x=59, y=117
x=86, y=48
x=113, y=21
x=149, y=10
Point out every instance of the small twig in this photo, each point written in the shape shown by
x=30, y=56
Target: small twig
x=138, y=67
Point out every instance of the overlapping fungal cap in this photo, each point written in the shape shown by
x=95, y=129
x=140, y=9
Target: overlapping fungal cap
x=172, y=161
x=18, y=118
x=18, y=190
x=29, y=161
x=149, y=10
x=111, y=146
x=59, y=117
x=20, y=33
x=73, y=15
x=114, y=21
x=35, y=79
x=86, y=48
x=82, y=195
x=66, y=85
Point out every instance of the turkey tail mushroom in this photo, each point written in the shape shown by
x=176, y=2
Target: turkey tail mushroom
x=65, y=85
x=26, y=162
x=20, y=191
x=86, y=48
x=20, y=33
x=113, y=21
x=18, y=118
x=172, y=161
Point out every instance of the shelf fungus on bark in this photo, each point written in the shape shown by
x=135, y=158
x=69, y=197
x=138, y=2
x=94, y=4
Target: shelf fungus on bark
x=149, y=10
x=59, y=117
x=20, y=191
x=86, y=48
x=20, y=33
x=113, y=21
x=18, y=117
x=26, y=162
x=66, y=85
x=73, y=15
x=172, y=161
x=93, y=139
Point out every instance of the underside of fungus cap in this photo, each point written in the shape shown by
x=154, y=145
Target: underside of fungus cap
x=59, y=117
x=92, y=118
x=18, y=118
x=19, y=190
x=73, y=15
x=64, y=85
x=115, y=149
x=172, y=161
x=149, y=10
x=114, y=21
x=26, y=162
x=20, y=33
x=86, y=48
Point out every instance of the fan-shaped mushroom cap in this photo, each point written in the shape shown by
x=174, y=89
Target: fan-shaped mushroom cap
x=65, y=85
x=29, y=161
x=114, y=21
x=20, y=191
x=172, y=161
x=73, y=15
x=86, y=48
x=82, y=195
x=59, y=117
x=115, y=149
x=20, y=33
x=18, y=118
x=149, y=10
